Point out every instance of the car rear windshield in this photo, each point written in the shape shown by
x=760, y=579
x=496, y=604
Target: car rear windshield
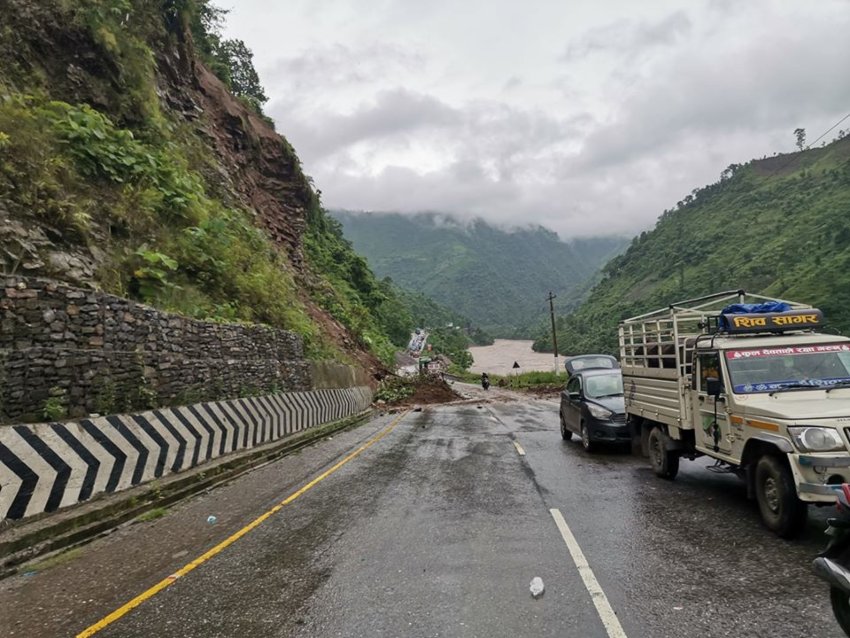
x=587, y=362
x=768, y=369
x=603, y=385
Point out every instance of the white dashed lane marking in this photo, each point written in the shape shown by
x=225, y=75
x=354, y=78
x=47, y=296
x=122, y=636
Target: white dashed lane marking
x=600, y=600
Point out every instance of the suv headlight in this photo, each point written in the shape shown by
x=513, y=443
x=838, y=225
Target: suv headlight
x=599, y=412
x=816, y=439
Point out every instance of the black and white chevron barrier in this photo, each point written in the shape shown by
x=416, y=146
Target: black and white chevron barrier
x=47, y=466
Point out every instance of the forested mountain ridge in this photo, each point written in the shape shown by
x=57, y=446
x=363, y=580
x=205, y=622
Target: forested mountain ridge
x=497, y=278
x=135, y=158
x=778, y=226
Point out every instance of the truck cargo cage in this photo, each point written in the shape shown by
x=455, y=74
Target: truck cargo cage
x=657, y=350
x=665, y=338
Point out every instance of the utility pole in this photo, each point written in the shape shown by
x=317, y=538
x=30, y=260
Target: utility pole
x=554, y=335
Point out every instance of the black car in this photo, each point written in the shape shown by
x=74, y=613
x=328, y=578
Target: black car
x=592, y=406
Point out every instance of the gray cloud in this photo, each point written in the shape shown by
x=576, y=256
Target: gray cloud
x=776, y=81
x=392, y=112
x=512, y=83
x=417, y=106
x=500, y=138
x=341, y=65
x=628, y=37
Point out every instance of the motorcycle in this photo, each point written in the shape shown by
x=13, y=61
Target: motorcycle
x=833, y=563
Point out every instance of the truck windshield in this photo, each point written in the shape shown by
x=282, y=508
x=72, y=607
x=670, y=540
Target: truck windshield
x=770, y=369
x=603, y=385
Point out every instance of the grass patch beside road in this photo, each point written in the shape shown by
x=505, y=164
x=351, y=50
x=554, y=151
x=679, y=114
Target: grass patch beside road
x=536, y=379
x=53, y=561
x=152, y=515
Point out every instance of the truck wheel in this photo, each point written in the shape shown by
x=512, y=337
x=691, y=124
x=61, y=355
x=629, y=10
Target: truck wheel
x=565, y=433
x=781, y=511
x=664, y=462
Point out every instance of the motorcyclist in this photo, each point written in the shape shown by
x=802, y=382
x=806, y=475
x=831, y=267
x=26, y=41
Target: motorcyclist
x=485, y=380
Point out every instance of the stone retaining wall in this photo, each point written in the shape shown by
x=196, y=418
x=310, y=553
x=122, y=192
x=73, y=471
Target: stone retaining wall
x=66, y=350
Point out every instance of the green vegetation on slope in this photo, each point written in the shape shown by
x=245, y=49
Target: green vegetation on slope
x=499, y=279
x=779, y=227
x=93, y=158
x=348, y=290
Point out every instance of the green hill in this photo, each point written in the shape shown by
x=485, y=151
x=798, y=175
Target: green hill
x=778, y=226
x=497, y=278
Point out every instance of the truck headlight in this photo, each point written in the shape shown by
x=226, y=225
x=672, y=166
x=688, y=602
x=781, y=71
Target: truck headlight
x=599, y=412
x=816, y=439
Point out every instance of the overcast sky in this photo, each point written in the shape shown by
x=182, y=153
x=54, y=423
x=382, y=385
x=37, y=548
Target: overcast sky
x=588, y=117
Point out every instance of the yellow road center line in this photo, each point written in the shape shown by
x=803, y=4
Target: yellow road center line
x=519, y=449
x=203, y=558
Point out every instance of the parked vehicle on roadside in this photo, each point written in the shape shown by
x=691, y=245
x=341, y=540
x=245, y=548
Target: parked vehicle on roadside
x=592, y=403
x=749, y=381
x=833, y=563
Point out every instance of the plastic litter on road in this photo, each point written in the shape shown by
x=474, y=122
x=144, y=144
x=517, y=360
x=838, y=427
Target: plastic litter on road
x=536, y=587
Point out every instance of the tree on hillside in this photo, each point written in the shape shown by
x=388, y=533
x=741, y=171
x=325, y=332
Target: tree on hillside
x=231, y=60
x=244, y=80
x=800, y=133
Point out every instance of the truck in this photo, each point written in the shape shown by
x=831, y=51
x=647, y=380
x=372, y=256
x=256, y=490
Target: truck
x=751, y=381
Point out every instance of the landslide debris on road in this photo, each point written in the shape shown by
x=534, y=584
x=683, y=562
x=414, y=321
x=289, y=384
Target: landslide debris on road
x=409, y=391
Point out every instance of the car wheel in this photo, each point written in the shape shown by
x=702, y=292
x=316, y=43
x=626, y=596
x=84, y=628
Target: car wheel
x=664, y=462
x=586, y=443
x=781, y=511
x=565, y=433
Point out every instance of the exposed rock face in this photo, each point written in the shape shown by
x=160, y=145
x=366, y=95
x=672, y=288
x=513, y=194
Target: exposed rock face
x=256, y=162
x=27, y=249
x=263, y=167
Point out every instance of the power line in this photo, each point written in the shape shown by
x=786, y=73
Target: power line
x=824, y=134
x=785, y=165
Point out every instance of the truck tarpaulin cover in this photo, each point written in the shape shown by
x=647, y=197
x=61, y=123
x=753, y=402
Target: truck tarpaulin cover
x=751, y=309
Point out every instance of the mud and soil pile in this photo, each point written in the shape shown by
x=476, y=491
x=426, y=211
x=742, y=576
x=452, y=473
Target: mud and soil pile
x=432, y=390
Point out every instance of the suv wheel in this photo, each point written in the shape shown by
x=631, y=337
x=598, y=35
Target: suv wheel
x=781, y=511
x=664, y=462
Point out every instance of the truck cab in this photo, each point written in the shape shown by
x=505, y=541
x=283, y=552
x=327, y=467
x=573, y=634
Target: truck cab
x=764, y=393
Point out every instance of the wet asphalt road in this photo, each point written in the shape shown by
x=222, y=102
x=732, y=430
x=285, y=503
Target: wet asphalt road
x=437, y=530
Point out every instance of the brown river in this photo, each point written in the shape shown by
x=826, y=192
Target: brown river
x=500, y=357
